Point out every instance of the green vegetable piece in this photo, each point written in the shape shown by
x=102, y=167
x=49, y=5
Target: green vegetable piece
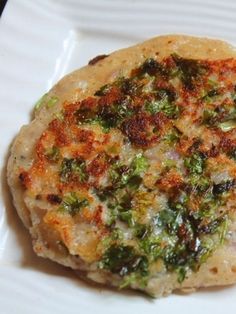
x=103, y=90
x=86, y=114
x=207, y=247
x=164, y=105
x=134, y=182
x=209, y=116
x=210, y=95
x=72, y=204
x=227, y=125
x=111, y=116
x=52, y=101
x=153, y=107
x=139, y=164
x=132, y=278
x=53, y=154
x=181, y=274
x=223, y=229
x=195, y=164
x=40, y=102
x=199, y=183
x=190, y=70
x=152, y=67
x=126, y=216
x=122, y=175
x=105, y=193
x=208, y=207
x=123, y=260
x=173, y=136
x=74, y=168
x=165, y=218
x=212, y=83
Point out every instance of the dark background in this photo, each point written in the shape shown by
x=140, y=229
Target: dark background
x=2, y=5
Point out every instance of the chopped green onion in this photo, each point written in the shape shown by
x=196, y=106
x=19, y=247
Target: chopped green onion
x=139, y=164
x=52, y=101
x=40, y=101
x=227, y=125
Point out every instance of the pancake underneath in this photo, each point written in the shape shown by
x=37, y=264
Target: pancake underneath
x=127, y=172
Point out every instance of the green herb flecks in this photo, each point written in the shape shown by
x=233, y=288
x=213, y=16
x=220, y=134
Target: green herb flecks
x=127, y=217
x=40, y=102
x=152, y=67
x=190, y=70
x=53, y=154
x=85, y=114
x=103, y=90
x=199, y=183
x=120, y=208
x=52, y=101
x=107, y=116
x=170, y=109
x=223, y=117
x=210, y=95
x=125, y=181
x=111, y=116
x=195, y=163
x=173, y=136
x=209, y=117
x=72, y=204
x=130, y=175
x=174, y=237
x=139, y=164
x=123, y=260
x=73, y=169
x=134, y=278
x=208, y=207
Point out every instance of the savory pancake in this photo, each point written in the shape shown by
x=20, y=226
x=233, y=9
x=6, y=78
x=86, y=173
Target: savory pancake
x=127, y=173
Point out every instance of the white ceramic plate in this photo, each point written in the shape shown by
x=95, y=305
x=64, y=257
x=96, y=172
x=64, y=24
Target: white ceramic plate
x=40, y=41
